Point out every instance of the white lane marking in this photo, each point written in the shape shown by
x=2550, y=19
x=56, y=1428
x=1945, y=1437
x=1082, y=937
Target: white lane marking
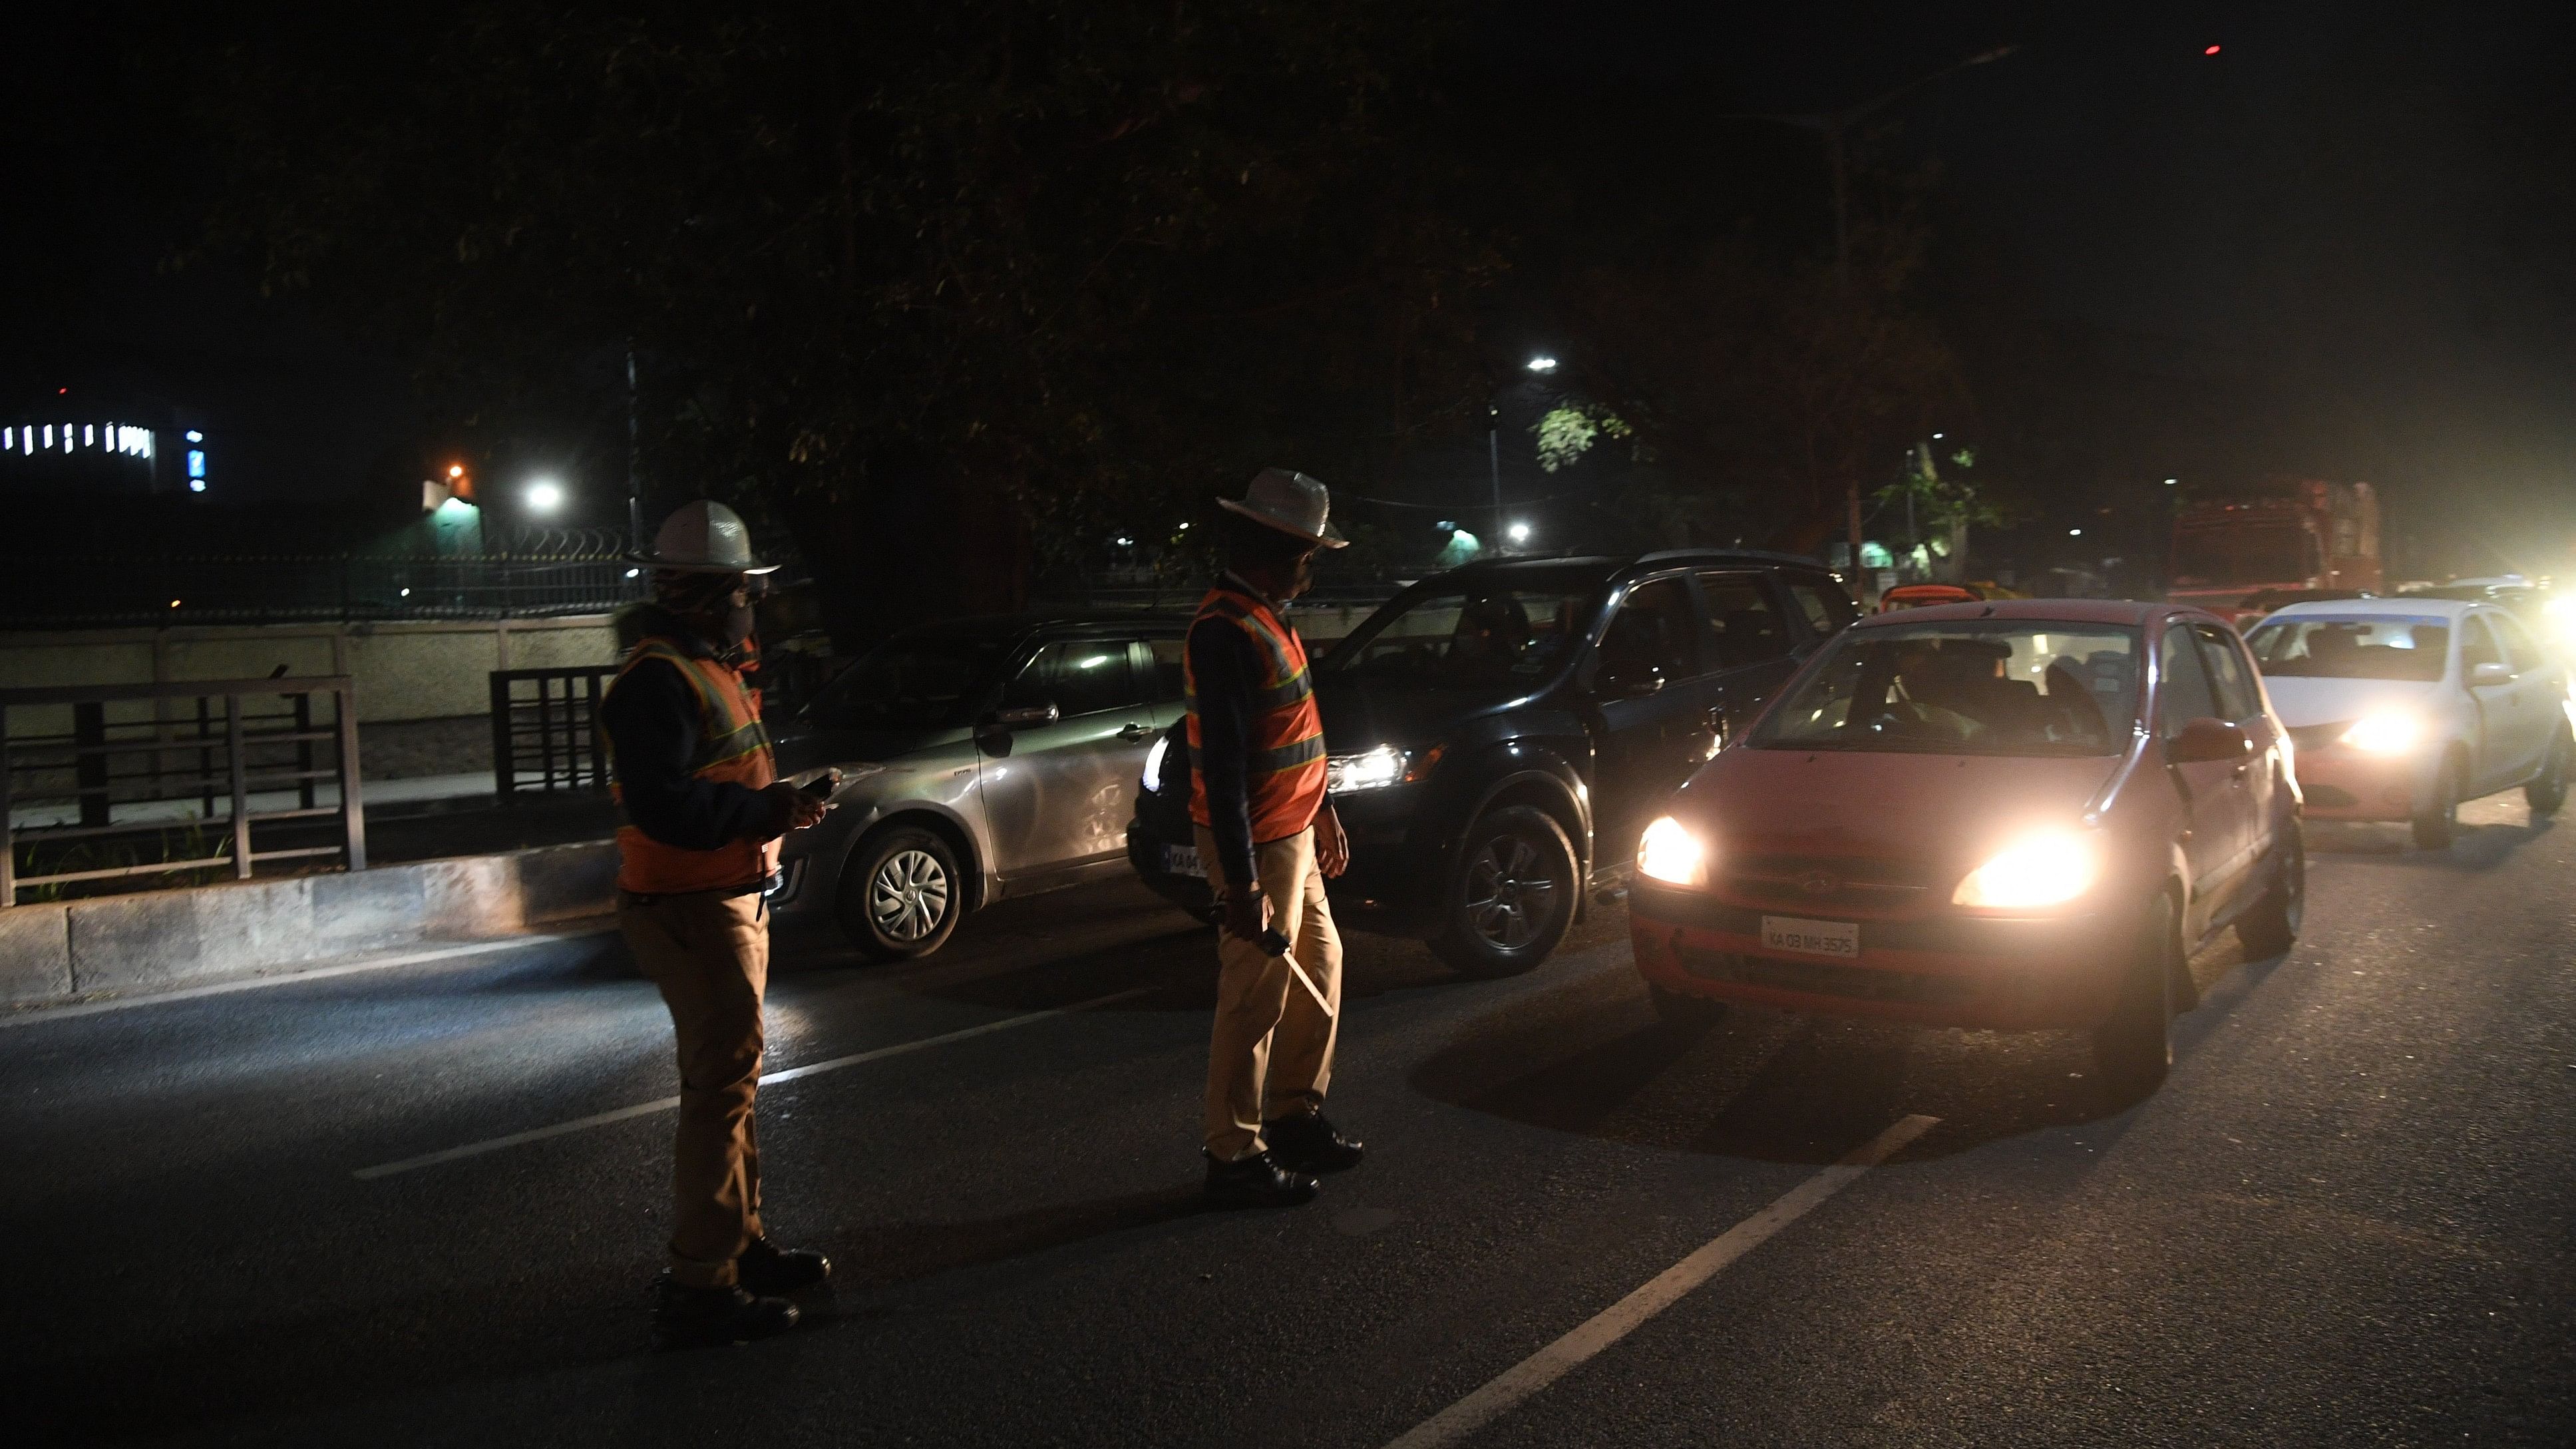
x=1620, y=1319
x=35, y=1014
x=672, y=1104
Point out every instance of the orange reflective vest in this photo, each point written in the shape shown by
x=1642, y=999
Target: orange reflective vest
x=732, y=745
x=1284, y=778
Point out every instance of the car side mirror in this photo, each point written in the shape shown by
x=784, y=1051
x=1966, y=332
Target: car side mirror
x=2490, y=674
x=1629, y=682
x=1026, y=715
x=2206, y=740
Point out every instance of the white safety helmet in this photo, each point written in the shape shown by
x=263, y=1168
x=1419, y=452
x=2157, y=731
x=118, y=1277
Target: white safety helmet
x=704, y=538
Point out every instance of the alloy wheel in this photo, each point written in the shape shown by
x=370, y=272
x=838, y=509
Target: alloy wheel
x=909, y=897
x=1509, y=892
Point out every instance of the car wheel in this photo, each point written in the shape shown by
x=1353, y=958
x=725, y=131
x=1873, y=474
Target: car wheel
x=2546, y=793
x=2273, y=925
x=1512, y=896
x=2439, y=819
x=900, y=897
x=2134, y=1049
x=1684, y=1016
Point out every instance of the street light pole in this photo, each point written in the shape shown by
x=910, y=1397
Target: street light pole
x=1831, y=126
x=634, y=462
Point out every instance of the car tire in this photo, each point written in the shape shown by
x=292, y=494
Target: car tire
x=2272, y=926
x=1511, y=897
x=901, y=895
x=2548, y=791
x=2439, y=819
x=2134, y=1049
x=1683, y=1016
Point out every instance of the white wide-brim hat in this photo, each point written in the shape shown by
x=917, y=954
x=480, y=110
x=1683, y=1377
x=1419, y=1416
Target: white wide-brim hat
x=704, y=538
x=1292, y=503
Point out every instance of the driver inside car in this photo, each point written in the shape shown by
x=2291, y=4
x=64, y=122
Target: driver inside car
x=1490, y=635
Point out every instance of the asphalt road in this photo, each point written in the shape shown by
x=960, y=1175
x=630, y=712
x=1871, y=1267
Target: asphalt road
x=2348, y=1218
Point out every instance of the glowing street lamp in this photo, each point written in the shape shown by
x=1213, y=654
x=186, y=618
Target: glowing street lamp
x=1542, y=364
x=545, y=495
x=1520, y=533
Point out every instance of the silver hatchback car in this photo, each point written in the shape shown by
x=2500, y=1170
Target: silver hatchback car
x=981, y=759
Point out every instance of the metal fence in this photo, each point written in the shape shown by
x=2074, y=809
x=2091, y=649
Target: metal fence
x=110, y=782
x=37, y=592
x=545, y=729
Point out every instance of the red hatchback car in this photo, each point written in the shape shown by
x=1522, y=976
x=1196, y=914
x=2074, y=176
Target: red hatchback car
x=2020, y=814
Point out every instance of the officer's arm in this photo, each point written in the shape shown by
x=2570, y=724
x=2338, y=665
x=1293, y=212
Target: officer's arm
x=652, y=721
x=1223, y=670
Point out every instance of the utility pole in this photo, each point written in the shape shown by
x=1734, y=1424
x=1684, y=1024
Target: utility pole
x=634, y=461
x=1831, y=126
x=1494, y=457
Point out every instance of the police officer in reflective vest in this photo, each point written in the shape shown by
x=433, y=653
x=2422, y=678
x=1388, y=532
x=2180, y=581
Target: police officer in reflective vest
x=704, y=812
x=1269, y=838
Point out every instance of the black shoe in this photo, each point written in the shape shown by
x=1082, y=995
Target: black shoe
x=1256, y=1181
x=1308, y=1143
x=686, y=1317
x=765, y=1267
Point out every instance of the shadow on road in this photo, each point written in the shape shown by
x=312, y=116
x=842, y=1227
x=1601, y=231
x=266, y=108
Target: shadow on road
x=1589, y=1057
x=2482, y=844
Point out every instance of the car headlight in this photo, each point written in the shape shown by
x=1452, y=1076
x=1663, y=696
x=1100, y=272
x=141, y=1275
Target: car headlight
x=1378, y=768
x=1670, y=853
x=2049, y=869
x=1154, y=764
x=2389, y=732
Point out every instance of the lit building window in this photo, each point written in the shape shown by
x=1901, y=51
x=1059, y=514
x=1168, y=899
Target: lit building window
x=49, y=435
x=197, y=464
x=89, y=436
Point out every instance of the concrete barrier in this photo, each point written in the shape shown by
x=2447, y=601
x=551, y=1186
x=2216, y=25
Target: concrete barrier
x=160, y=940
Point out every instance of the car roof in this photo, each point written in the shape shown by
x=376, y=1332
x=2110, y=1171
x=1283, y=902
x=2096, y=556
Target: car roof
x=1607, y=566
x=2130, y=612
x=2405, y=606
x=1076, y=622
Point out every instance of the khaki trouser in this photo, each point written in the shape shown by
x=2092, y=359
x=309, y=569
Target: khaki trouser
x=709, y=954
x=1271, y=1055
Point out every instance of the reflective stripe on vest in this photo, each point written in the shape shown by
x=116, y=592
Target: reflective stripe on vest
x=1284, y=769
x=732, y=745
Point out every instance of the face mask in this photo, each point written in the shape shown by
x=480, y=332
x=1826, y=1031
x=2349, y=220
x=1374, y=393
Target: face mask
x=738, y=622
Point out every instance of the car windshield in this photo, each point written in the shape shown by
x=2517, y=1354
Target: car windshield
x=1479, y=637
x=2311, y=647
x=916, y=681
x=1972, y=687
x=2248, y=554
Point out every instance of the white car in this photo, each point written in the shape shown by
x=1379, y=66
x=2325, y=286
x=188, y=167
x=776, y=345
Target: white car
x=2399, y=709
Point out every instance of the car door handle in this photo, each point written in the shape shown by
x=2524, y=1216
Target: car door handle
x=1135, y=732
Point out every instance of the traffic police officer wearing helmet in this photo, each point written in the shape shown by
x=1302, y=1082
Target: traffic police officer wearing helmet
x=1269, y=837
x=704, y=813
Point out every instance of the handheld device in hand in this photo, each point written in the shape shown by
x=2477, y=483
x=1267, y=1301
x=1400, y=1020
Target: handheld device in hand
x=1273, y=942
x=820, y=787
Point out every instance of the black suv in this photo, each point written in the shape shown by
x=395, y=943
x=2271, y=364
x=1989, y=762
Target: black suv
x=1501, y=733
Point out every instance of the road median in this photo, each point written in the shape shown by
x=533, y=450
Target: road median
x=64, y=951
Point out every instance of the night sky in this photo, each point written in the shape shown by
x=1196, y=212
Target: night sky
x=2364, y=209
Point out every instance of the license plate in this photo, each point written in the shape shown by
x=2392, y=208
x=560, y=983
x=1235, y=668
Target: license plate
x=1811, y=938
x=1183, y=860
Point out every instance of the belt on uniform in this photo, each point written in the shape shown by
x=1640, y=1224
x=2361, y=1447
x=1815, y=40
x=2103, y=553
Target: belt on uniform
x=767, y=886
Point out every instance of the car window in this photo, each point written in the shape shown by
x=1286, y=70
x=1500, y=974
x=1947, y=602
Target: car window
x=1964, y=686
x=2477, y=646
x=2184, y=694
x=1077, y=676
x=2517, y=643
x=1743, y=625
x=925, y=680
x=1824, y=603
x=1167, y=682
x=2233, y=686
x=1478, y=637
x=1652, y=628
x=2379, y=646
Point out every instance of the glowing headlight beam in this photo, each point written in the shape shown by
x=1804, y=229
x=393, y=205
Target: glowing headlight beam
x=1670, y=853
x=2041, y=870
x=2389, y=732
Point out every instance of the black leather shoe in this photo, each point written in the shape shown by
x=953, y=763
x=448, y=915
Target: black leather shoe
x=765, y=1267
x=1308, y=1143
x=1256, y=1181
x=686, y=1317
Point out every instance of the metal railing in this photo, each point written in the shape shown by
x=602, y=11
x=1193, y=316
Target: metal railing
x=319, y=588
x=146, y=785
x=545, y=722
